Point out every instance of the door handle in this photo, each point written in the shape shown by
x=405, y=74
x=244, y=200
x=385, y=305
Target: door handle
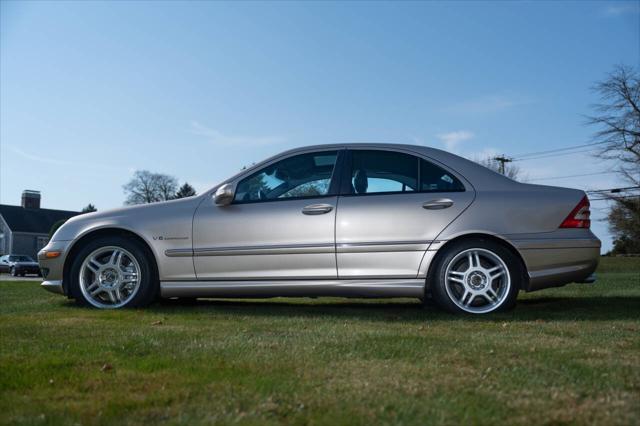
x=438, y=204
x=314, y=209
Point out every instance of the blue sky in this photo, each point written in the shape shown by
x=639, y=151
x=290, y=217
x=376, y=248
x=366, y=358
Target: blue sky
x=90, y=91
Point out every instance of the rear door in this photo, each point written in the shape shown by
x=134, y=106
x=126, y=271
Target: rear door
x=393, y=204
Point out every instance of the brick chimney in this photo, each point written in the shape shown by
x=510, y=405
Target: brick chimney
x=30, y=199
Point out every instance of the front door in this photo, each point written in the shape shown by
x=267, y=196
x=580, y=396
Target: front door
x=280, y=224
x=393, y=206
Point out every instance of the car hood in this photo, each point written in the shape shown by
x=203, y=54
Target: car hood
x=74, y=226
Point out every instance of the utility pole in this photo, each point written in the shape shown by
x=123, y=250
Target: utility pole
x=502, y=159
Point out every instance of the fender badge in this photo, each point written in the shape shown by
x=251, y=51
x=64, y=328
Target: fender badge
x=163, y=238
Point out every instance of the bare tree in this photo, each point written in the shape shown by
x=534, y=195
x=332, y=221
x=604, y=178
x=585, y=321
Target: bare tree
x=166, y=186
x=148, y=187
x=510, y=170
x=618, y=121
x=140, y=189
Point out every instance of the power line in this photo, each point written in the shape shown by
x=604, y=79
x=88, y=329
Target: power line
x=615, y=198
x=529, y=154
x=572, y=176
x=602, y=193
x=553, y=155
x=614, y=190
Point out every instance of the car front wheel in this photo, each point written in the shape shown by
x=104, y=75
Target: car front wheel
x=113, y=272
x=476, y=277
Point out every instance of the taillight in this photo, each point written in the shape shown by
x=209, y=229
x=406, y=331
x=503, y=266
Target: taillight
x=579, y=216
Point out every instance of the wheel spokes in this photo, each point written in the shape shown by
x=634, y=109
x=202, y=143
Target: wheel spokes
x=94, y=289
x=109, y=277
x=491, y=296
x=495, y=272
x=130, y=278
x=477, y=280
x=115, y=258
x=456, y=276
x=117, y=294
x=467, y=298
x=473, y=257
x=94, y=265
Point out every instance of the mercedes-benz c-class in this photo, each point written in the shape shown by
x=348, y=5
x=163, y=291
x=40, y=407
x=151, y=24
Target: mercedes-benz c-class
x=353, y=220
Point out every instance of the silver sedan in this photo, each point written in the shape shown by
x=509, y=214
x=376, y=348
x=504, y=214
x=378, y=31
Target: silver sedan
x=353, y=220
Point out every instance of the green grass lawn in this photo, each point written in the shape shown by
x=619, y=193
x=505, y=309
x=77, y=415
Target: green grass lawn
x=563, y=356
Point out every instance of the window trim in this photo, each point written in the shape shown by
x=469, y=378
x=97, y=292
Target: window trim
x=346, y=175
x=333, y=185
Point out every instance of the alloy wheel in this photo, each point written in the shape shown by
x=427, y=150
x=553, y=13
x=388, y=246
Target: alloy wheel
x=110, y=277
x=477, y=281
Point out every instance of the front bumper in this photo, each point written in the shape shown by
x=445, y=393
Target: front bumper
x=52, y=268
x=53, y=286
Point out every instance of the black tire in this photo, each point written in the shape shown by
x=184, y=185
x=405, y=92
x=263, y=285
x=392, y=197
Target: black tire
x=436, y=279
x=149, y=289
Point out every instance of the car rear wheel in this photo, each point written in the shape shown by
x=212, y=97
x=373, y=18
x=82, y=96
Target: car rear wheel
x=114, y=272
x=476, y=277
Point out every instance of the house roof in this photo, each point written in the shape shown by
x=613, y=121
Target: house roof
x=37, y=221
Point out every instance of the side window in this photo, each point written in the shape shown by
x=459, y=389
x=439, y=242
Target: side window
x=436, y=179
x=300, y=176
x=374, y=172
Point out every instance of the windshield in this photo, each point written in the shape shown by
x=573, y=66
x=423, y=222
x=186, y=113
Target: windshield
x=20, y=258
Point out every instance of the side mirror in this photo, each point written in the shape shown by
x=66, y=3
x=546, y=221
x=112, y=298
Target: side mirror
x=224, y=195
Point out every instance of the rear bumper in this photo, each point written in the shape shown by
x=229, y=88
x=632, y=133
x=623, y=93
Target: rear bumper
x=554, y=262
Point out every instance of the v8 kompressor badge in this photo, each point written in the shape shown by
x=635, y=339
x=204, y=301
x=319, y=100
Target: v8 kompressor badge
x=163, y=238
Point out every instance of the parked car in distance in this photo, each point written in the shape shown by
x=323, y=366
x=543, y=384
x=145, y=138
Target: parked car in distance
x=353, y=220
x=19, y=265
